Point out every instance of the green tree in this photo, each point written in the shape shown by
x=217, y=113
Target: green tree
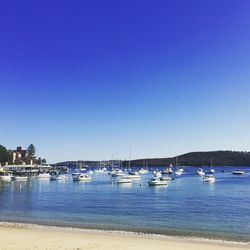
x=39, y=161
x=4, y=155
x=31, y=150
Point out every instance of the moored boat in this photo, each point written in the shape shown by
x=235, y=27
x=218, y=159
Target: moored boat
x=238, y=172
x=117, y=173
x=43, y=176
x=157, y=174
x=19, y=177
x=167, y=171
x=166, y=178
x=133, y=175
x=81, y=177
x=123, y=180
x=200, y=172
x=157, y=182
x=6, y=176
x=179, y=171
x=59, y=177
x=209, y=178
x=143, y=171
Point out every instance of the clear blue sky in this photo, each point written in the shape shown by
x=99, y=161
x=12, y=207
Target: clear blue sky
x=90, y=79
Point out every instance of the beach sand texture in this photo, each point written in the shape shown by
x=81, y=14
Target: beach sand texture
x=25, y=237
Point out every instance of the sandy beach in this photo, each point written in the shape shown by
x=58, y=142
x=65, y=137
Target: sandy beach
x=20, y=236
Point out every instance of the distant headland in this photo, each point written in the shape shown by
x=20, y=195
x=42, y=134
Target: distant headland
x=218, y=158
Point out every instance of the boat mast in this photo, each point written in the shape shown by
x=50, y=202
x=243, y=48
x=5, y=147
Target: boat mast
x=129, y=163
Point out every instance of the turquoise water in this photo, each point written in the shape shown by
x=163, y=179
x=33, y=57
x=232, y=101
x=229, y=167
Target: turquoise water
x=187, y=207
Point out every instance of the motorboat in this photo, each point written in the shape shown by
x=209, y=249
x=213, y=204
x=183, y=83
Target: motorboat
x=90, y=172
x=143, y=171
x=157, y=174
x=117, y=173
x=238, y=172
x=123, y=180
x=19, y=177
x=59, y=177
x=166, y=178
x=133, y=175
x=179, y=171
x=98, y=171
x=75, y=175
x=167, y=171
x=200, y=172
x=6, y=176
x=209, y=178
x=157, y=182
x=82, y=177
x=44, y=176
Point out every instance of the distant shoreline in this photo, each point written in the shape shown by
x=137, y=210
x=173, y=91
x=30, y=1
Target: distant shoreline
x=220, y=158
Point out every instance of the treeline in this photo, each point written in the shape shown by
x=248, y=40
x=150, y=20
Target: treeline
x=5, y=155
x=218, y=158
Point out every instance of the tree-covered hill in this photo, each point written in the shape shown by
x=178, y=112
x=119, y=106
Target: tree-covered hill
x=219, y=158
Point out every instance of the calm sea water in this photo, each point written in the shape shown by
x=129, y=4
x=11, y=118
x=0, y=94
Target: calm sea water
x=186, y=207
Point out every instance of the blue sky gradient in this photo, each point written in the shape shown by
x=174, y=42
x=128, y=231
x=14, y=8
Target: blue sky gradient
x=90, y=79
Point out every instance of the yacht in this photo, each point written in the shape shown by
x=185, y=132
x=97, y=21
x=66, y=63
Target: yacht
x=90, y=172
x=43, y=176
x=209, y=178
x=157, y=182
x=238, y=172
x=19, y=177
x=200, y=172
x=167, y=171
x=133, y=175
x=117, y=173
x=157, y=174
x=124, y=179
x=6, y=176
x=179, y=171
x=143, y=171
x=59, y=177
x=81, y=177
x=166, y=178
x=98, y=171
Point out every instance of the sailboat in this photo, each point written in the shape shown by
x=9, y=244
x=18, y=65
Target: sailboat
x=179, y=171
x=143, y=170
x=211, y=171
x=168, y=170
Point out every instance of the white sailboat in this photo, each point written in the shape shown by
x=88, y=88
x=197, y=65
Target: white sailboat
x=211, y=171
x=143, y=170
x=179, y=171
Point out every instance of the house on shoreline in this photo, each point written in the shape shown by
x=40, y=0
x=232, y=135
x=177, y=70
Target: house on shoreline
x=21, y=156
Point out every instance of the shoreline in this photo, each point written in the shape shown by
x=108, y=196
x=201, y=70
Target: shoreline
x=99, y=233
